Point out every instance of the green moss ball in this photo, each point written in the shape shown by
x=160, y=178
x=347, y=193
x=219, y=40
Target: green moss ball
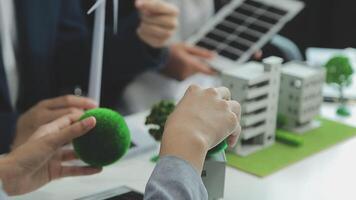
x=107, y=142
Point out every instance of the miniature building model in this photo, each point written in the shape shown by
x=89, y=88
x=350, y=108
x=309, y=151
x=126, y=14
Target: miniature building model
x=256, y=87
x=300, y=95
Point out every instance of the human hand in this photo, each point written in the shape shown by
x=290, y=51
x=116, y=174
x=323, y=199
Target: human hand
x=201, y=120
x=159, y=20
x=39, y=160
x=46, y=111
x=186, y=60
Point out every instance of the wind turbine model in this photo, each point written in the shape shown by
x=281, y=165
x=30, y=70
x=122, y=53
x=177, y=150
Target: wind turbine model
x=96, y=67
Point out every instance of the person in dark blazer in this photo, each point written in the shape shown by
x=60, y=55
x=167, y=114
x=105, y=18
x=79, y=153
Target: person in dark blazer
x=53, y=52
x=325, y=24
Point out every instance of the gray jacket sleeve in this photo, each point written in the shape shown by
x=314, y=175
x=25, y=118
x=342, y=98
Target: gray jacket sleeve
x=3, y=196
x=173, y=179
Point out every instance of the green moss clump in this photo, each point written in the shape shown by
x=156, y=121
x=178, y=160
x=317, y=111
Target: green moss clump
x=107, y=142
x=158, y=117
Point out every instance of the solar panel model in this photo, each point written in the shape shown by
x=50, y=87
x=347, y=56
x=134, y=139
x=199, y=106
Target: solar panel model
x=243, y=27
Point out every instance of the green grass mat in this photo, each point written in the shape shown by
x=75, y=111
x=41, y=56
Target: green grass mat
x=279, y=156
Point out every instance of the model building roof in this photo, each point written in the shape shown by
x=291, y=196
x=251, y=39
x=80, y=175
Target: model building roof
x=299, y=70
x=248, y=71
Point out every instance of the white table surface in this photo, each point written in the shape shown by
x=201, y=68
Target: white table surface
x=329, y=175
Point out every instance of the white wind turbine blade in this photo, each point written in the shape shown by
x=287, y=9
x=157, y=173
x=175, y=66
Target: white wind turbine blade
x=116, y=15
x=95, y=6
x=97, y=51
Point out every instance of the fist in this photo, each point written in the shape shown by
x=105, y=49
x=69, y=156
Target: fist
x=158, y=21
x=207, y=115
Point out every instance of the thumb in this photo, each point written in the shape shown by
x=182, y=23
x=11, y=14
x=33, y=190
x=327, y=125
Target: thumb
x=156, y=7
x=200, y=52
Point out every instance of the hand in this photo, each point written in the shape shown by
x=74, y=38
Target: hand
x=159, y=20
x=186, y=60
x=201, y=120
x=46, y=111
x=39, y=160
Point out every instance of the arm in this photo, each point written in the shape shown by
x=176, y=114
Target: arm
x=174, y=178
x=201, y=120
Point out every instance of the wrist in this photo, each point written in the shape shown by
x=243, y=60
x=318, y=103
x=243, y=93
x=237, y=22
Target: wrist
x=185, y=144
x=8, y=174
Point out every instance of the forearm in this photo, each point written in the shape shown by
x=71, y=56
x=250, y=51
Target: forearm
x=6, y=174
x=174, y=178
x=10, y=175
x=190, y=147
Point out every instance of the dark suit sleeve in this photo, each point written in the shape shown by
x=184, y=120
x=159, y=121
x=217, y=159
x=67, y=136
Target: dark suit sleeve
x=7, y=129
x=126, y=56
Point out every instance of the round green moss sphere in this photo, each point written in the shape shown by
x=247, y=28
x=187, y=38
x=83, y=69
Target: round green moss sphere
x=107, y=142
x=219, y=148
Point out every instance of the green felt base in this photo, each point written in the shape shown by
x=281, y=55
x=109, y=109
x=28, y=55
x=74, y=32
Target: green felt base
x=279, y=156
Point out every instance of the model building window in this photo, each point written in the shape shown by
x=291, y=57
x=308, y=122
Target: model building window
x=297, y=84
x=290, y=97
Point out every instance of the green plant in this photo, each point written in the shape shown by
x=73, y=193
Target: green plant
x=158, y=117
x=339, y=72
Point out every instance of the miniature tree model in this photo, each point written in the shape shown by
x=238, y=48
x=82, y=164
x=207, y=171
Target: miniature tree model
x=339, y=73
x=158, y=117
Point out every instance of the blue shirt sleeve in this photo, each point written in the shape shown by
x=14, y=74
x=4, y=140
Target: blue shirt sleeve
x=174, y=178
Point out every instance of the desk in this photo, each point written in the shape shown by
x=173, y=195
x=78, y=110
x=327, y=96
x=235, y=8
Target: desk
x=329, y=175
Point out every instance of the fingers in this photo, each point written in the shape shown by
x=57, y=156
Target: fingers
x=66, y=135
x=258, y=55
x=154, y=32
x=159, y=20
x=163, y=21
x=156, y=7
x=79, y=171
x=58, y=113
x=223, y=93
x=232, y=139
x=235, y=107
x=200, y=66
x=199, y=52
x=65, y=121
x=69, y=101
x=68, y=155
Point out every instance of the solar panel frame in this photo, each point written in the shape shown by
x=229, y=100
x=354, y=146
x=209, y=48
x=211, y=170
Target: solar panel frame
x=270, y=10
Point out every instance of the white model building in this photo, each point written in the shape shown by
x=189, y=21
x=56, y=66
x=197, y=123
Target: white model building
x=256, y=86
x=300, y=96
